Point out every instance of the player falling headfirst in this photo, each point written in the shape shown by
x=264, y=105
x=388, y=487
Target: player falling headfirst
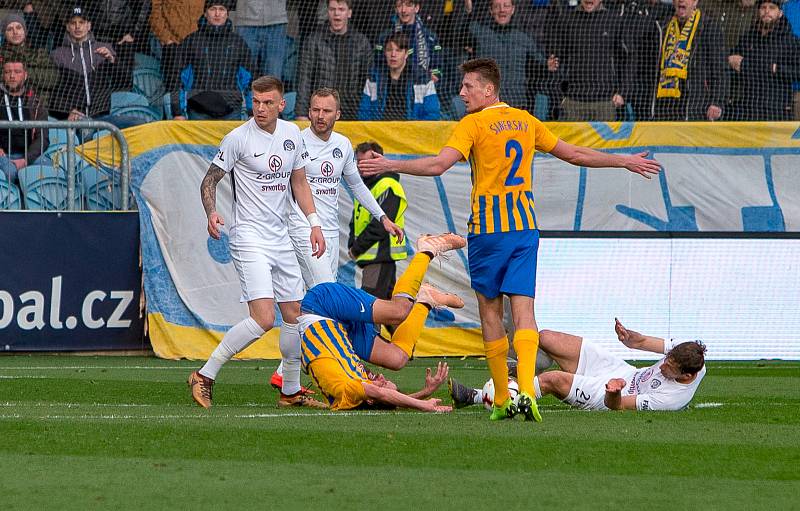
x=339, y=328
x=499, y=142
x=330, y=162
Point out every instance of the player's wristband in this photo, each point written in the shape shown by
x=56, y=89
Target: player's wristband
x=313, y=220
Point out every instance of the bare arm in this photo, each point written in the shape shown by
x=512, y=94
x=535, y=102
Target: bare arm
x=586, y=157
x=302, y=192
x=614, y=399
x=395, y=398
x=427, y=166
x=637, y=341
x=432, y=382
x=208, y=194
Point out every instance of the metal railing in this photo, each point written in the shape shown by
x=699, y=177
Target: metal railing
x=73, y=129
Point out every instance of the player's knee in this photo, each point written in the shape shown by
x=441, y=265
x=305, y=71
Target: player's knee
x=556, y=383
x=401, y=308
x=397, y=362
x=265, y=321
x=546, y=338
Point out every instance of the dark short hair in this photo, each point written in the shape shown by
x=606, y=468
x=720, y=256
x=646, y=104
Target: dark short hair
x=689, y=356
x=266, y=84
x=413, y=2
x=487, y=69
x=398, y=38
x=14, y=58
x=326, y=92
x=370, y=145
x=348, y=2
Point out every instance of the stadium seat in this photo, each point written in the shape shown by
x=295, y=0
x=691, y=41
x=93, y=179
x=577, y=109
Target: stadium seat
x=148, y=83
x=45, y=188
x=123, y=99
x=102, y=189
x=144, y=61
x=9, y=195
x=145, y=113
x=288, y=112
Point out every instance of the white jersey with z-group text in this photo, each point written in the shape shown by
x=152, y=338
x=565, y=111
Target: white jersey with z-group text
x=654, y=391
x=329, y=162
x=261, y=165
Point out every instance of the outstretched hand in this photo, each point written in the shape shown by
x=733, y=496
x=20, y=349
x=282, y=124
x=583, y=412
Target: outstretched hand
x=434, y=381
x=373, y=164
x=639, y=164
x=435, y=405
x=629, y=338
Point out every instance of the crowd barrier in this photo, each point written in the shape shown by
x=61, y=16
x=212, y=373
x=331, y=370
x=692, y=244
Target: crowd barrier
x=734, y=178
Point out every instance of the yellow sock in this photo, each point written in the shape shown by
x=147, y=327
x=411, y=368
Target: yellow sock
x=408, y=283
x=526, y=343
x=496, y=353
x=407, y=333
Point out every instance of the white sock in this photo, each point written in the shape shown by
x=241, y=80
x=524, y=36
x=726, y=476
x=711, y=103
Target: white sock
x=478, y=397
x=536, y=388
x=289, y=342
x=240, y=336
x=279, y=370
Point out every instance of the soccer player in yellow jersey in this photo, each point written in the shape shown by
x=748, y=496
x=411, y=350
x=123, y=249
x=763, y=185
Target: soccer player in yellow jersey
x=499, y=143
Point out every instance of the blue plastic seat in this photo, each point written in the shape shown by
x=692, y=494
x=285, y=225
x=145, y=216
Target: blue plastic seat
x=102, y=188
x=45, y=188
x=9, y=195
x=143, y=113
x=148, y=83
x=123, y=99
x=144, y=61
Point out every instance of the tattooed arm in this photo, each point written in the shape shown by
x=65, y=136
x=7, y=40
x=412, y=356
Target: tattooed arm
x=208, y=194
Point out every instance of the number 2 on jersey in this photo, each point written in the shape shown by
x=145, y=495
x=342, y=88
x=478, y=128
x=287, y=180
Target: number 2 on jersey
x=512, y=179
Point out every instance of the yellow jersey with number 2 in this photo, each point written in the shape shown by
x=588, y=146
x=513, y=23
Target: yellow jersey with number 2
x=499, y=142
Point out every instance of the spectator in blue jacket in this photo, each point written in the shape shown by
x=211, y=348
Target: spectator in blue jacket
x=395, y=92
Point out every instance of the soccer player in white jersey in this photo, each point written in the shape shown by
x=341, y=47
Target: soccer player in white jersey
x=266, y=158
x=592, y=379
x=331, y=159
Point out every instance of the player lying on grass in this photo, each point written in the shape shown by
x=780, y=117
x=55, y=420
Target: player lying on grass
x=592, y=379
x=338, y=330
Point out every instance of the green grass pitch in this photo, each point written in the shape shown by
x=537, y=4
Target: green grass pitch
x=122, y=433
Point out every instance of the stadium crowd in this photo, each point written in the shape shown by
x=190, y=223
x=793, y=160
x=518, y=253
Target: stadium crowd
x=134, y=61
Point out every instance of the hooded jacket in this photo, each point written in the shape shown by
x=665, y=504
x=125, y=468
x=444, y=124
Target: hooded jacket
x=216, y=71
x=760, y=93
x=84, y=78
x=26, y=107
x=422, y=103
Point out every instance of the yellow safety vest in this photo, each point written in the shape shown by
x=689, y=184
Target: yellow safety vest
x=362, y=218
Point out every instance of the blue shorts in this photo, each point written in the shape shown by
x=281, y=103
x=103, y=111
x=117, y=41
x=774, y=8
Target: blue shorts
x=349, y=306
x=503, y=262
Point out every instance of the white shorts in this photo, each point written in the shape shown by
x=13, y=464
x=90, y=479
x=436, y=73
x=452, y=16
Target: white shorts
x=595, y=368
x=316, y=270
x=268, y=272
